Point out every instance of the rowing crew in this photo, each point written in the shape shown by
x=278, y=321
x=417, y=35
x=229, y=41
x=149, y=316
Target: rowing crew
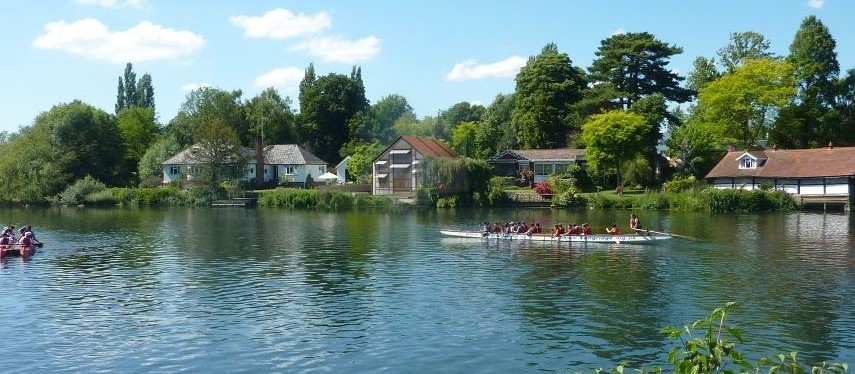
x=27, y=238
x=557, y=231
x=510, y=228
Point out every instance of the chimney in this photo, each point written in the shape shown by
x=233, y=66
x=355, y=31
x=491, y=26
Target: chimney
x=830, y=145
x=730, y=148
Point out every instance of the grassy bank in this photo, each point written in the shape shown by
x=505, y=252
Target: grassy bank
x=292, y=198
x=692, y=200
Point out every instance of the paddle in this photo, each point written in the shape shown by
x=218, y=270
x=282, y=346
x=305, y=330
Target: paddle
x=692, y=238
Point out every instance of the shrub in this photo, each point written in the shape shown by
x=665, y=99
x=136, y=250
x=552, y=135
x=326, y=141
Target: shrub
x=76, y=193
x=543, y=189
x=679, y=184
x=447, y=202
x=496, y=189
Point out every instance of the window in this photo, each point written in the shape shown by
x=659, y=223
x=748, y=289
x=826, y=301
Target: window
x=747, y=163
x=542, y=169
x=289, y=170
x=174, y=170
x=321, y=169
x=560, y=168
x=402, y=158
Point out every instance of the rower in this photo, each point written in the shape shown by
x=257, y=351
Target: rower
x=614, y=230
x=634, y=223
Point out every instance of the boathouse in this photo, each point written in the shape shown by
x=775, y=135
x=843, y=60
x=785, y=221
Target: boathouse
x=395, y=170
x=821, y=176
x=541, y=162
x=282, y=163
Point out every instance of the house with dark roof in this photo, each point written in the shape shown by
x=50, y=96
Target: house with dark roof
x=395, y=170
x=818, y=174
x=287, y=163
x=540, y=162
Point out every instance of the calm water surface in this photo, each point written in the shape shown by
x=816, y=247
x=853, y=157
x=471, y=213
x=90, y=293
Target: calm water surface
x=202, y=290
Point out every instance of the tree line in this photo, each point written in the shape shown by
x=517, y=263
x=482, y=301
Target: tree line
x=623, y=109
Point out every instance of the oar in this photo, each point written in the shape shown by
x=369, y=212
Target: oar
x=669, y=234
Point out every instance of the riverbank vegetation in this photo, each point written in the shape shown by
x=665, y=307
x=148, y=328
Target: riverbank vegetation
x=293, y=198
x=622, y=109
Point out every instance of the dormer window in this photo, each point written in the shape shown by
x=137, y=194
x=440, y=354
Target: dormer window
x=747, y=163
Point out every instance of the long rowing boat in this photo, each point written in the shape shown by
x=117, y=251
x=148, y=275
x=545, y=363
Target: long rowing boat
x=615, y=239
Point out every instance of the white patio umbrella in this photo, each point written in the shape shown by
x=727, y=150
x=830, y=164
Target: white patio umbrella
x=327, y=176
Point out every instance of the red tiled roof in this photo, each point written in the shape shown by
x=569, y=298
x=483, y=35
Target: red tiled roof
x=429, y=147
x=790, y=163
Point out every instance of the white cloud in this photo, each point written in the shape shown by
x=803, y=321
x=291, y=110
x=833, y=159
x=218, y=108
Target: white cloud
x=112, y=3
x=194, y=86
x=470, y=69
x=288, y=79
x=619, y=31
x=338, y=49
x=282, y=24
x=816, y=3
x=144, y=42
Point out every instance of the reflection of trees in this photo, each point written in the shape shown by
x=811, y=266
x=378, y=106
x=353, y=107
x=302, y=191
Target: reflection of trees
x=595, y=293
x=629, y=312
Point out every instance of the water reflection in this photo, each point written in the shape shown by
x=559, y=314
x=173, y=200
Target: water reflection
x=260, y=290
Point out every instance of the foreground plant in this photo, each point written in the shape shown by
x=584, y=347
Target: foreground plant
x=715, y=352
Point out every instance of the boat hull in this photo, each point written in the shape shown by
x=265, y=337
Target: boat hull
x=17, y=250
x=614, y=239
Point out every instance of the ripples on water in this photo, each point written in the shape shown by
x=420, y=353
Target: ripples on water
x=261, y=291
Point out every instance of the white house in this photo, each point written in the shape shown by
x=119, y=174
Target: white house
x=396, y=168
x=818, y=174
x=282, y=163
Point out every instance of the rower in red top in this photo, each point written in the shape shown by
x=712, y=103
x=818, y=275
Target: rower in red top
x=614, y=230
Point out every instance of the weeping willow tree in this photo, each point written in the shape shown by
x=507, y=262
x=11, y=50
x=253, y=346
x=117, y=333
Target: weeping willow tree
x=453, y=181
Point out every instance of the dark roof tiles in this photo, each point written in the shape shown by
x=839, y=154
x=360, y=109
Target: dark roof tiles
x=790, y=163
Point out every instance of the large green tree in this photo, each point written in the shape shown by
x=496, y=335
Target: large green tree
x=746, y=101
x=385, y=112
x=327, y=105
x=150, y=169
x=744, y=46
x=703, y=73
x=813, y=118
x=270, y=117
x=219, y=154
x=207, y=105
x=463, y=139
x=462, y=112
x=138, y=128
x=495, y=133
x=66, y=143
x=635, y=65
x=132, y=92
x=546, y=89
x=614, y=138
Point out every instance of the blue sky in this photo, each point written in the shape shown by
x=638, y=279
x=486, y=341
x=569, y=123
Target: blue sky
x=434, y=53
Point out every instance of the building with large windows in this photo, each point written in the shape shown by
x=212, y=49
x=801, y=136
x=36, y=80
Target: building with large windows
x=395, y=170
x=539, y=162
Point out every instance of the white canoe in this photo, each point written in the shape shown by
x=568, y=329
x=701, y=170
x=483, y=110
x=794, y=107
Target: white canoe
x=615, y=239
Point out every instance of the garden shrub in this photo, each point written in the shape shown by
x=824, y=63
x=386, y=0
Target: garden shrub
x=76, y=193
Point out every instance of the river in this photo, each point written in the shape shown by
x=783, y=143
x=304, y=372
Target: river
x=255, y=290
